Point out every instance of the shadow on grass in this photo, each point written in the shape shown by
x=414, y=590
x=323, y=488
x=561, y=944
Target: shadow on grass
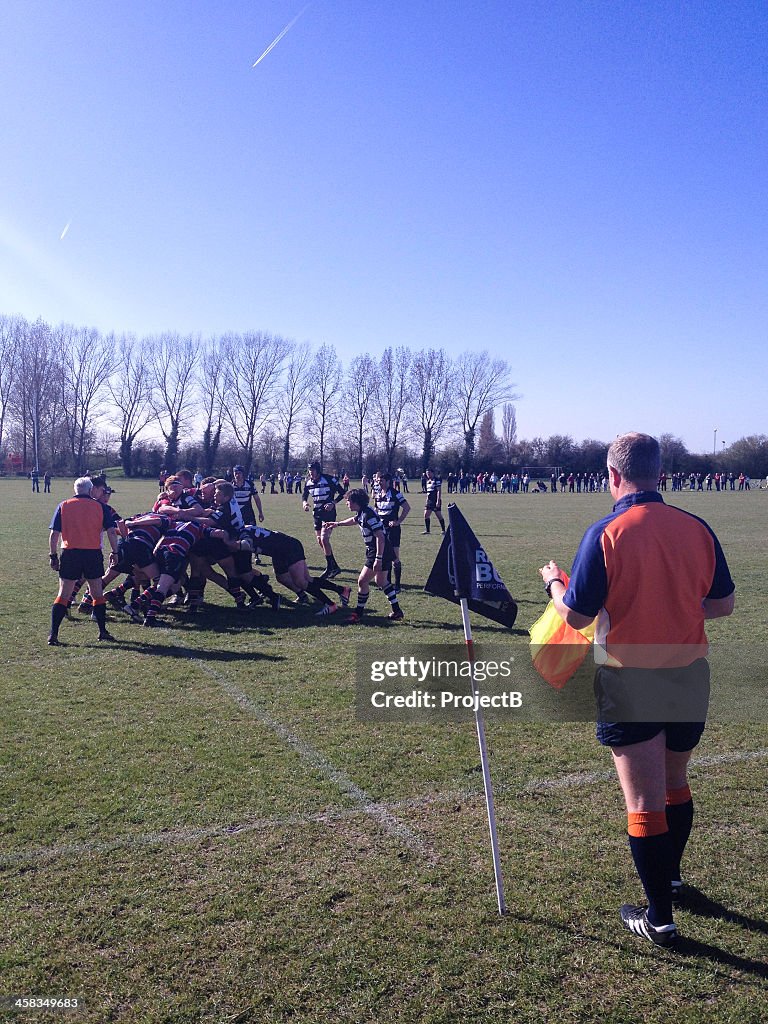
x=478, y=629
x=697, y=902
x=164, y=650
x=684, y=948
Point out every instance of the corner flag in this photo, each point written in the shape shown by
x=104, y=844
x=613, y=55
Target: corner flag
x=462, y=569
x=463, y=574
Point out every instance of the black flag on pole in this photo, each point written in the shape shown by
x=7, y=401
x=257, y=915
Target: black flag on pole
x=463, y=569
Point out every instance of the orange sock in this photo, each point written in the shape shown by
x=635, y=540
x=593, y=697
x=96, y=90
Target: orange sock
x=678, y=796
x=647, y=823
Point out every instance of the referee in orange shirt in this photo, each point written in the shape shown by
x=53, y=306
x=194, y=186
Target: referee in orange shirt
x=79, y=523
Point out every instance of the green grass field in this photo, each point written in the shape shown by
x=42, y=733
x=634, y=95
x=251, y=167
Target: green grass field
x=196, y=827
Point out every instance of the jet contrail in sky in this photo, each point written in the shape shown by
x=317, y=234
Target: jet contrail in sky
x=277, y=39
x=66, y=229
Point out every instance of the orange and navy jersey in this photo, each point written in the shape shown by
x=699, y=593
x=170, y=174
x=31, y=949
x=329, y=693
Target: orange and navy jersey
x=80, y=521
x=643, y=571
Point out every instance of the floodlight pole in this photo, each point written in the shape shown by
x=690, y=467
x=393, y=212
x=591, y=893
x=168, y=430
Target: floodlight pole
x=480, y=725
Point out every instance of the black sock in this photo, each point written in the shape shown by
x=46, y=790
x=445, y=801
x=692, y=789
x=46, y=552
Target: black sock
x=260, y=583
x=58, y=614
x=362, y=600
x=390, y=594
x=680, y=821
x=426, y=525
x=316, y=591
x=398, y=567
x=100, y=612
x=653, y=858
x=328, y=585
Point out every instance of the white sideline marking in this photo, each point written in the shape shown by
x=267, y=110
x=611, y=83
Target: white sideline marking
x=174, y=837
x=315, y=759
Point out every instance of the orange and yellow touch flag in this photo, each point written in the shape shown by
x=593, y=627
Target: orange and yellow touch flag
x=557, y=649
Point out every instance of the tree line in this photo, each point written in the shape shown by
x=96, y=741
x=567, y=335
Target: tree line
x=68, y=395
x=72, y=397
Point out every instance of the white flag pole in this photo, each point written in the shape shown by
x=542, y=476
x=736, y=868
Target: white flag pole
x=480, y=724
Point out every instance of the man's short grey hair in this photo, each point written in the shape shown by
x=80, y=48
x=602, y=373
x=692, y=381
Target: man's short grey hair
x=83, y=485
x=636, y=456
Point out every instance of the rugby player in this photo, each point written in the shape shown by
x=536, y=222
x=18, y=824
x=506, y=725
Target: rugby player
x=434, y=501
x=244, y=492
x=326, y=493
x=289, y=562
x=392, y=508
x=378, y=554
x=171, y=553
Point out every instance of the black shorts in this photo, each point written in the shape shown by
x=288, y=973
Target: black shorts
x=81, y=564
x=386, y=558
x=211, y=548
x=132, y=552
x=432, y=506
x=393, y=535
x=634, y=705
x=242, y=560
x=323, y=516
x=289, y=554
x=172, y=563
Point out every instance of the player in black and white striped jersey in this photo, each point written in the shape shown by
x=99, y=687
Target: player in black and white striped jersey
x=326, y=492
x=378, y=553
x=434, y=502
x=392, y=508
x=245, y=492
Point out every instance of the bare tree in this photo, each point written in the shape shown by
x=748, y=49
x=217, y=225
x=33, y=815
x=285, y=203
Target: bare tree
x=211, y=385
x=293, y=395
x=12, y=330
x=131, y=390
x=432, y=378
x=481, y=384
x=324, y=394
x=172, y=360
x=508, y=432
x=86, y=367
x=361, y=383
x=390, y=401
x=38, y=382
x=489, y=448
x=255, y=362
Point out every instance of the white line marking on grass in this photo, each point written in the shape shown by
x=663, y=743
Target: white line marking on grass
x=585, y=778
x=177, y=837
x=388, y=822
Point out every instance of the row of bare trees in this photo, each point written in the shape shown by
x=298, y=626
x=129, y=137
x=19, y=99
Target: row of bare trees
x=63, y=387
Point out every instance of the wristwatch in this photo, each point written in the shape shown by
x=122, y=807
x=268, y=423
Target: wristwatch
x=548, y=585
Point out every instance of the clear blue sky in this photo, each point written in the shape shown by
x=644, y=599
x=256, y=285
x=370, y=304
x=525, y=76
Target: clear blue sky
x=580, y=188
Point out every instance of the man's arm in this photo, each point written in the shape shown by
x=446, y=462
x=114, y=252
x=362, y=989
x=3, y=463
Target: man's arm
x=340, y=522
x=183, y=515
x=405, y=508
x=568, y=615
x=718, y=607
x=257, y=499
